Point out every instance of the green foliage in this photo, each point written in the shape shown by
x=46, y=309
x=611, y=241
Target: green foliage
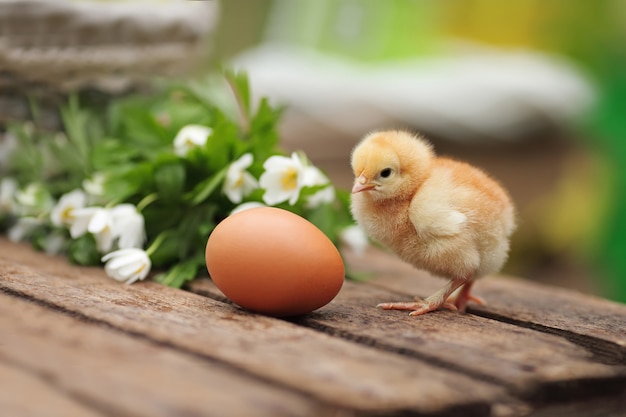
x=83, y=251
x=128, y=150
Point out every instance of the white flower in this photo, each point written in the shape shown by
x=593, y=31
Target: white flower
x=190, y=137
x=354, y=236
x=128, y=226
x=33, y=200
x=23, y=228
x=8, y=188
x=246, y=206
x=313, y=176
x=97, y=221
x=82, y=219
x=127, y=265
x=122, y=223
x=63, y=213
x=323, y=196
x=94, y=186
x=239, y=182
x=282, y=180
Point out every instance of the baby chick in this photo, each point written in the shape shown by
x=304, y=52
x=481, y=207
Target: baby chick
x=438, y=214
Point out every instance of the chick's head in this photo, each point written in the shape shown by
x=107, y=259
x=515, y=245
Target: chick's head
x=390, y=164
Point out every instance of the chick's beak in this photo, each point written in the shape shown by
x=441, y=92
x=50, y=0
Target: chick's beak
x=362, y=184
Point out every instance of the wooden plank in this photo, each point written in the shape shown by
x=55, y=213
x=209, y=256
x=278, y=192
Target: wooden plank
x=614, y=406
x=566, y=310
x=24, y=394
x=338, y=372
x=75, y=368
x=521, y=359
x=597, y=324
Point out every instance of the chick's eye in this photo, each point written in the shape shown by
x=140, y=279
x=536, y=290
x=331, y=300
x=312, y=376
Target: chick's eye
x=385, y=173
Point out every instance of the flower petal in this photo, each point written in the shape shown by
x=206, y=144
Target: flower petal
x=127, y=265
x=246, y=206
x=189, y=137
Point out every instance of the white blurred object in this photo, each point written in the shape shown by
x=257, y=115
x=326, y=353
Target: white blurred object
x=466, y=94
x=103, y=44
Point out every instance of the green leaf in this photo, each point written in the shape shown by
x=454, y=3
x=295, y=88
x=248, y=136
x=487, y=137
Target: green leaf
x=83, y=251
x=263, y=134
x=76, y=121
x=167, y=251
x=111, y=153
x=159, y=217
x=323, y=217
x=191, y=229
x=204, y=189
x=66, y=156
x=220, y=145
x=179, y=274
x=181, y=110
x=126, y=181
x=169, y=179
x=26, y=162
x=238, y=81
x=134, y=120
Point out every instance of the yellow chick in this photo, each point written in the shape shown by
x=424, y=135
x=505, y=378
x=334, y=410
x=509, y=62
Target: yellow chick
x=438, y=214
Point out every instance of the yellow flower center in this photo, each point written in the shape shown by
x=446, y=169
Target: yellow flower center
x=290, y=179
x=66, y=215
x=239, y=181
x=141, y=268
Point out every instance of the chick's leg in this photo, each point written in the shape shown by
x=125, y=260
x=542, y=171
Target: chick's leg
x=434, y=302
x=464, y=296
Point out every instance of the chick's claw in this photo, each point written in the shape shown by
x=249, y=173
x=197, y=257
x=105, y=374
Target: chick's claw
x=417, y=307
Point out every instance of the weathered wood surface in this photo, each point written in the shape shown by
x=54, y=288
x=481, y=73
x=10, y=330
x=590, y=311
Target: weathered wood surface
x=99, y=367
x=71, y=337
x=589, y=321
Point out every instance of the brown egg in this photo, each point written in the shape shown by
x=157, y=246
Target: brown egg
x=274, y=262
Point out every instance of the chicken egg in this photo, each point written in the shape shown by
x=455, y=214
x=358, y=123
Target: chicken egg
x=271, y=261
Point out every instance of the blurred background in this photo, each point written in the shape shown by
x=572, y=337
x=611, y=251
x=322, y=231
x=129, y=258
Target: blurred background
x=533, y=91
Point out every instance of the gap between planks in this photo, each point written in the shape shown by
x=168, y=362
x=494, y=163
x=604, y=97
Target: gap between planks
x=320, y=323
x=116, y=374
x=591, y=322
x=143, y=337
x=335, y=372
x=432, y=338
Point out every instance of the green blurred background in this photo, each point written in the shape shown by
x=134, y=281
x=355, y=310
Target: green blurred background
x=344, y=67
x=568, y=181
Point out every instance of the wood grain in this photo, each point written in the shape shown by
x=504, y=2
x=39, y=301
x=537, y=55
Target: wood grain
x=521, y=359
x=348, y=358
x=597, y=324
x=25, y=394
x=339, y=373
x=74, y=368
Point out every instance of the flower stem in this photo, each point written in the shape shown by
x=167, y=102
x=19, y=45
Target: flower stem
x=244, y=116
x=156, y=243
x=150, y=198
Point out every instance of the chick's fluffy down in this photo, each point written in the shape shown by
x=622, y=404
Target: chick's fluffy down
x=438, y=214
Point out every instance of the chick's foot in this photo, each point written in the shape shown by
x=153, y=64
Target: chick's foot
x=461, y=300
x=417, y=307
x=435, y=301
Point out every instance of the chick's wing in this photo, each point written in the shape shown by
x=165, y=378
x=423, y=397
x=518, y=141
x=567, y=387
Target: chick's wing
x=433, y=213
